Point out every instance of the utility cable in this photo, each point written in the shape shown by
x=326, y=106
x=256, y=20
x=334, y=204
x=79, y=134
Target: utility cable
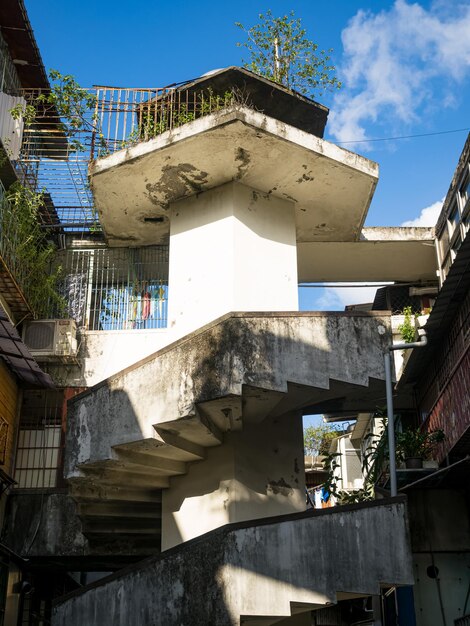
x=442, y=132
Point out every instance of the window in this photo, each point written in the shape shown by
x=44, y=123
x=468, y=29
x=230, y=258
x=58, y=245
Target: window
x=453, y=219
x=464, y=190
x=39, y=455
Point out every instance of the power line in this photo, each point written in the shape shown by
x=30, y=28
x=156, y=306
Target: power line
x=442, y=132
x=355, y=286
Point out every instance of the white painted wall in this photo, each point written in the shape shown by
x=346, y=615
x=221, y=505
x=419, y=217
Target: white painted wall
x=231, y=249
x=104, y=353
x=257, y=472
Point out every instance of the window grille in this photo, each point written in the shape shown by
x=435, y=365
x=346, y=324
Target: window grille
x=9, y=81
x=117, y=288
x=39, y=454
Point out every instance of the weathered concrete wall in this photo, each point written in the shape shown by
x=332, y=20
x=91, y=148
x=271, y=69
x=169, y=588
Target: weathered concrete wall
x=256, y=473
x=440, y=538
x=254, y=570
x=43, y=525
x=301, y=357
x=231, y=249
x=104, y=353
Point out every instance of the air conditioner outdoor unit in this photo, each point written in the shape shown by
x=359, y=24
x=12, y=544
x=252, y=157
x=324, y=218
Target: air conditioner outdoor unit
x=51, y=338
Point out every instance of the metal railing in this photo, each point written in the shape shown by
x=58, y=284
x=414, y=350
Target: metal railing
x=124, y=117
x=116, y=288
x=53, y=160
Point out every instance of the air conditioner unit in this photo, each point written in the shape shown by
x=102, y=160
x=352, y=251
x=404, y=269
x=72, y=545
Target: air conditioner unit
x=51, y=338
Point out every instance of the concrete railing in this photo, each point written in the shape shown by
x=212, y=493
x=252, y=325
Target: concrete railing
x=268, y=568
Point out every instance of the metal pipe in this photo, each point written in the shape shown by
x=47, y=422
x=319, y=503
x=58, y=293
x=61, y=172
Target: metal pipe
x=390, y=424
x=390, y=416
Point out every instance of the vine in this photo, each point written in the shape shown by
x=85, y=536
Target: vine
x=69, y=100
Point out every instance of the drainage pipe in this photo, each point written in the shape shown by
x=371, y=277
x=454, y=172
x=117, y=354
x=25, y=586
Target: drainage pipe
x=390, y=416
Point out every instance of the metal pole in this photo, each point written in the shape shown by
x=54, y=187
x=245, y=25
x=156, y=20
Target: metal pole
x=390, y=424
x=390, y=416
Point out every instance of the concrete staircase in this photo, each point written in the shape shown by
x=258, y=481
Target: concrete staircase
x=127, y=437
x=255, y=573
x=119, y=499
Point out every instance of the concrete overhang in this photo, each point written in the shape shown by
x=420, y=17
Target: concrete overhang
x=331, y=187
x=381, y=254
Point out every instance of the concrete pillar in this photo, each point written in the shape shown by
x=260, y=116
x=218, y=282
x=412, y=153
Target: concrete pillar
x=231, y=249
x=257, y=472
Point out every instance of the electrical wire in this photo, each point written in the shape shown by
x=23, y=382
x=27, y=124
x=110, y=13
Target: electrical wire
x=442, y=132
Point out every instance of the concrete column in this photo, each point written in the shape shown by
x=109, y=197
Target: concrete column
x=257, y=472
x=231, y=249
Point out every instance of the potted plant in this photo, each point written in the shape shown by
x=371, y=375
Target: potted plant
x=413, y=446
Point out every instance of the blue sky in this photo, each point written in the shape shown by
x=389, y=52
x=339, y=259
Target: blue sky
x=405, y=68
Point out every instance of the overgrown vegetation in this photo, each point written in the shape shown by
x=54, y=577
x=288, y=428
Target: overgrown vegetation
x=27, y=252
x=407, y=329
x=374, y=456
x=166, y=113
x=415, y=443
x=279, y=49
x=68, y=99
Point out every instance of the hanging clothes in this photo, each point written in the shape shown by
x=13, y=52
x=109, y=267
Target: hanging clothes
x=146, y=303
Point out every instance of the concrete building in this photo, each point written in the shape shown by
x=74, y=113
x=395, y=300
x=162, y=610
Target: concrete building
x=178, y=469
x=439, y=377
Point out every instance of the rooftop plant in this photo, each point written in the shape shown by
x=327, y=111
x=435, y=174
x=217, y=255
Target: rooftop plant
x=407, y=329
x=279, y=49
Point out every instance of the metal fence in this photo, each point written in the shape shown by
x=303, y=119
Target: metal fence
x=116, y=288
x=124, y=117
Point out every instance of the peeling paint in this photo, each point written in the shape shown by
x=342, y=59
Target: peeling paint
x=242, y=157
x=176, y=181
x=280, y=487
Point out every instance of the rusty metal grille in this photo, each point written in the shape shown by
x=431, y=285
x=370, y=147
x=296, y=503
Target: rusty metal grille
x=40, y=440
x=117, y=288
x=53, y=160
x=125, y=117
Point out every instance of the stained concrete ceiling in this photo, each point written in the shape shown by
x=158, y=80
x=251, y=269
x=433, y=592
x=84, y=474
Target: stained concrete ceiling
x=331, y=187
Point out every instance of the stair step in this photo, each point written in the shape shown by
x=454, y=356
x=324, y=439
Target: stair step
x=136, y=461
x=113, y=474
x=158, y=448
x=193, y=451
x=197, y=430
x=142, y=545
x=105, y=526
x=82, y=490
x=120, y=509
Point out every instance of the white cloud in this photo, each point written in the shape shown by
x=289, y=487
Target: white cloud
x=428, y=216
x=336, y=298
x=391, y=61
